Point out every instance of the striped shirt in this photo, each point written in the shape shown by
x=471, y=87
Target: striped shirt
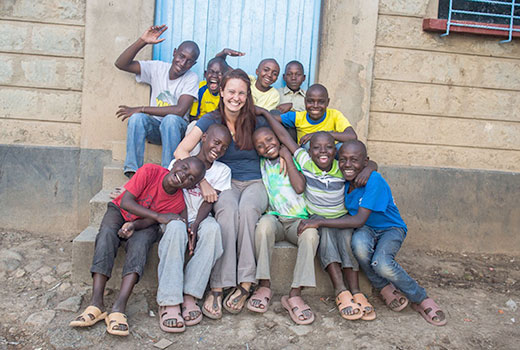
x=325, y=191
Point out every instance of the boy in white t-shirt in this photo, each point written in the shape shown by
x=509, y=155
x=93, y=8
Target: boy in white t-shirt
x=174, y=88
x=179, y=285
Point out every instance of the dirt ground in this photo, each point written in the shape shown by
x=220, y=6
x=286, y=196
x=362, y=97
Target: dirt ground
x=479, y=293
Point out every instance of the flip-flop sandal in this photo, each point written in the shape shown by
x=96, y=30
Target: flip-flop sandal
x=216, y=304
x=171, y=313
x=89, y=317
x=114, y=320
x=117, y=192
x=390, y=293
x=428, y=310
x=189, y=306
x=235, y=301
x=362, y=300
x=296, y=306
x=344, y=300
x=263, y=295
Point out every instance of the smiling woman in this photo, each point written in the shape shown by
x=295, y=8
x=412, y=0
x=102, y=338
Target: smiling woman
x=237, y=210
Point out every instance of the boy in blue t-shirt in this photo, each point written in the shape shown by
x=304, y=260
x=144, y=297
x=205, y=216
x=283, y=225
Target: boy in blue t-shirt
x=379, y=233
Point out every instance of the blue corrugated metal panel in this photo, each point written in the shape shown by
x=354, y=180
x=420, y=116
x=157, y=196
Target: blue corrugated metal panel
x=282, y=29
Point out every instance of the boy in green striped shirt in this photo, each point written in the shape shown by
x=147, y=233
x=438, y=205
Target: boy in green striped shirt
x=324, y=196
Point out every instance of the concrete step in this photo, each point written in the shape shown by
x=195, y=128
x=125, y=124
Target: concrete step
x=113, y=176
x=98, y=207
x=283, y=260
x=152, y=153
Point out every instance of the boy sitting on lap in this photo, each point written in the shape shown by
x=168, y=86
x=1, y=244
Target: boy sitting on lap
x=153, y=196
x=379, y=233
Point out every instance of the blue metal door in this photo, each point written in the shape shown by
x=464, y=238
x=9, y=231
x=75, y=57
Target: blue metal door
x=282, y=29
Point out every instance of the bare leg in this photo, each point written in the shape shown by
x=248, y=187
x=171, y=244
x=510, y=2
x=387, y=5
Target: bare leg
x=352, y=279
x=98, y=288
x=127, y=285
x=334, y=271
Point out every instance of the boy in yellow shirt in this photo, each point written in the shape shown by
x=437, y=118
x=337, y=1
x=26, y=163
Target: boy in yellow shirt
x=208, y=97
x=317, y=117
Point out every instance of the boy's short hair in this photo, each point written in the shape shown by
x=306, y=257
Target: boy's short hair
x=220, y=61
x=357, y=143
x=294, y=62
x=319, y=87
x=263, y=128
x=218, y=126
x=268, y=60
x=322, y=134
x=192, y=45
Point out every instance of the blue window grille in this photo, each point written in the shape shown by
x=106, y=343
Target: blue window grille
x=490, y=14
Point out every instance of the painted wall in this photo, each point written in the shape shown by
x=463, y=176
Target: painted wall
x=442, y=101
x=41, y=72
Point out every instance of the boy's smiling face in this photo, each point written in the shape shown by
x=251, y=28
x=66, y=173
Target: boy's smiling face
x=316, y=101
x=267, y=74
x=294, y=76
x=322, y=150
x=185, y=173
x=213, y=77
x=266, y=143
x=352, y=159
x=215, y=142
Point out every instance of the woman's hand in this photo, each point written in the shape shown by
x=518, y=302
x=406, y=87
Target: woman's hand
x=208, y=192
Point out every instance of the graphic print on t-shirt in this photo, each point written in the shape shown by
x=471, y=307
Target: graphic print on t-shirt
x=163, y=98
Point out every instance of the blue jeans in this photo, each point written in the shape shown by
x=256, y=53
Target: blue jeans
x=167, y=132
x=375, y=251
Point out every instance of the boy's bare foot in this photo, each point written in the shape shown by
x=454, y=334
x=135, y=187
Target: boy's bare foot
x=235, y=301
x=191, y=311
x=171, y=320
x=393, y=298
x=212, y=307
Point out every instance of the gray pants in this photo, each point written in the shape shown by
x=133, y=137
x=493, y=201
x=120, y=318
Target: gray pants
x=335, y=247
x=271, y=229
x=237, y=211
x=174, y=279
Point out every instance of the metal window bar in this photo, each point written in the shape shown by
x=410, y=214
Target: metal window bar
x=511, y=17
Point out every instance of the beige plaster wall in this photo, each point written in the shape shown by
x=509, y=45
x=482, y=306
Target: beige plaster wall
x=41, y=71
x=347, y=42
x=442, y=101
x=111, y=27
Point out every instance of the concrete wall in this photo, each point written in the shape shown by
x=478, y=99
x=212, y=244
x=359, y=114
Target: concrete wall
x=442, y=101
x=41, y=71
x=59, y=91
x=439, y=117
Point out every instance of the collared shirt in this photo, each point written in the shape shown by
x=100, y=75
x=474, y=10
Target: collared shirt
x=325, y=190
x=296, y=98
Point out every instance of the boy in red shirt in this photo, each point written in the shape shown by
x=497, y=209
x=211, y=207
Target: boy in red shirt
x=153, y=196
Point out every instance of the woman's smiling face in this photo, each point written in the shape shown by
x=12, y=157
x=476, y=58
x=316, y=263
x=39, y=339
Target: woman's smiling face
x=234, y=95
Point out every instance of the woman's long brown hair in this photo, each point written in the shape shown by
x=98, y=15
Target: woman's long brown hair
x=246, y=121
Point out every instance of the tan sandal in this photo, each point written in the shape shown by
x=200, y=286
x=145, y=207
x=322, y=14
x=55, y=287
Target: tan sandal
x=362, y=300
x=89, y=317
x=345, y=300
x=114, y=321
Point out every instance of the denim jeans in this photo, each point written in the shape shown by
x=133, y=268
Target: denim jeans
x=375, y=251
x=175, y=279
x=167, y=132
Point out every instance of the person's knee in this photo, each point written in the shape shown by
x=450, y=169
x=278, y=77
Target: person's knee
x=309, y=237
x=137, y=120
x=383, y=265
x=210, y=231
x=170, y=121
x=175, y=230
x=360, y=245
